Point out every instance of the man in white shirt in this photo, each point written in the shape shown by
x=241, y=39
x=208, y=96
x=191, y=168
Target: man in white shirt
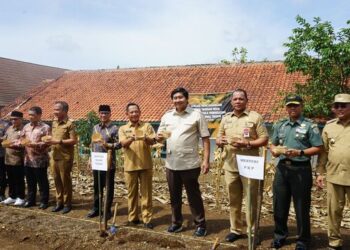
x=183, y=167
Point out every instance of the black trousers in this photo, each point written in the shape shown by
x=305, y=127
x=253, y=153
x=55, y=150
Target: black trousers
x=35, y=177
x=15, y=175
x=292, y=181
x=103, y=176
x=189, y=179
x=3, y=180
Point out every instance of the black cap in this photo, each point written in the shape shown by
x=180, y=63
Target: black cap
x=16, y=114
x=105, y=108
x=293, y=99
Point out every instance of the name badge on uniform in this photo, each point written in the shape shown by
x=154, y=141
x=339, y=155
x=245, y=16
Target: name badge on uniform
x=246, y=133
x=301, y=130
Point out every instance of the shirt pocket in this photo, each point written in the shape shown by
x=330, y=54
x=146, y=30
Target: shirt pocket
x=169, y=126
x=301, y=134
x=187, y=150
x=252, y=129
x=61, y=133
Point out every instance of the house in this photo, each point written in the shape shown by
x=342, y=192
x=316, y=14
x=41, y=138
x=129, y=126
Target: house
x=17, y=78
x=150, y=87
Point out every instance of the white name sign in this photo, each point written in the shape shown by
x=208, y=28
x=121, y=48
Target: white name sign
x=251, y=166
x=99, y=161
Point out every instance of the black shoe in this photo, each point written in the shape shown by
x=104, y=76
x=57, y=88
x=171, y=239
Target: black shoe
x=2, y=198
x=66, y=209
x=57, y=208
x=231, y=237
x=93, y=213
x=43, y=206
x=277, y=243
x=134, y=223
x=29, y=204
x=174, y=228
x=335, y=248
x=200, y=232
x=148, y=225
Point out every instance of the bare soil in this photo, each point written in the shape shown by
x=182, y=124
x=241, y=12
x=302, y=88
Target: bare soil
x=32, y=228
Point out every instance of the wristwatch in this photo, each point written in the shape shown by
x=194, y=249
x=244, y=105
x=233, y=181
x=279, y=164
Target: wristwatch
x=302, y=153
x=61, y=142
x=248, y=145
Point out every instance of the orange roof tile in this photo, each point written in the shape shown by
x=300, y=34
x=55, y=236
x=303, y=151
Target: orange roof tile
x=150, y=88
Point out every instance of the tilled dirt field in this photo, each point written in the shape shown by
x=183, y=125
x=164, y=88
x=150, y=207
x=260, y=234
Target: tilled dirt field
x=22, y=228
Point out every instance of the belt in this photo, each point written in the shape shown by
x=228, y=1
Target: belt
x=291, y=163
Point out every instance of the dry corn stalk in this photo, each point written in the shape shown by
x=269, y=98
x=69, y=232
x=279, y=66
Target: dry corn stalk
x=219, y=156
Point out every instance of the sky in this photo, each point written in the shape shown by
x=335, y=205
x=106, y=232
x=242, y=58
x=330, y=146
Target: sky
x=105, y=34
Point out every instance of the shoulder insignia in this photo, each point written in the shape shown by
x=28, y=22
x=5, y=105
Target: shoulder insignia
x=331, y=121
x=282, y=120
x=309, y=120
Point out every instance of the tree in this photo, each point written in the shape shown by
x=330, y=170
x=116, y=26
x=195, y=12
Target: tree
x=239, y=55
x=323, y=56
x=84, y=128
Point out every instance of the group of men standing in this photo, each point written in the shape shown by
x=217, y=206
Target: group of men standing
x=242, y=132
x=26, y=155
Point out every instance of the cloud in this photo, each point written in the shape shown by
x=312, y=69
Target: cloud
x=93, y=34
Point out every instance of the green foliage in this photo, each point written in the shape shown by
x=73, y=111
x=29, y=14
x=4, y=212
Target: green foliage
x=323, y=55
x=239, y=55
x=84, y=128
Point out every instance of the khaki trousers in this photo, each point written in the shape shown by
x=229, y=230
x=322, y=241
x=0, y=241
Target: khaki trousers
x=132, y=179
x=336, y=197
x=61, y=172
x=237, y=186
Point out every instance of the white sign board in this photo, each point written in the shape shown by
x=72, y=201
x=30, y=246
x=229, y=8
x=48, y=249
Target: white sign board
x=251, y=166
x=99, y=161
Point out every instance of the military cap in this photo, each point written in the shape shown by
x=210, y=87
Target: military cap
x=104, y=108
x=293, y=99
x=342, y=98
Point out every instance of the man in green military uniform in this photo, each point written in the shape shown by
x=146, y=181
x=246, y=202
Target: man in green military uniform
x=294, y=140
x=335, y=161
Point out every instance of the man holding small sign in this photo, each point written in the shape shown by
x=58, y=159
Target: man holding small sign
x=241, y=132
x=104, y=138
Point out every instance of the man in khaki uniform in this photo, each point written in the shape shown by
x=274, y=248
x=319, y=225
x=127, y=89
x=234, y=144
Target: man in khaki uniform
x=136, y=137
x=62, y=156
x=335, y=162
x=241, y=132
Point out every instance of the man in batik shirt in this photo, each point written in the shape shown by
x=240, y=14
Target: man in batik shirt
x=36, y=159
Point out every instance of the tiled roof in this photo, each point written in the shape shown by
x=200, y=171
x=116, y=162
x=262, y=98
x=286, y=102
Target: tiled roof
x=17, y=77
x=150, y=88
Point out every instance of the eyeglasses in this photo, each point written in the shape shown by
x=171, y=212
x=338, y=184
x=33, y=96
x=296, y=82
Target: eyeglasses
x=14, y=119
x=340, y=105
x=104, y=113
